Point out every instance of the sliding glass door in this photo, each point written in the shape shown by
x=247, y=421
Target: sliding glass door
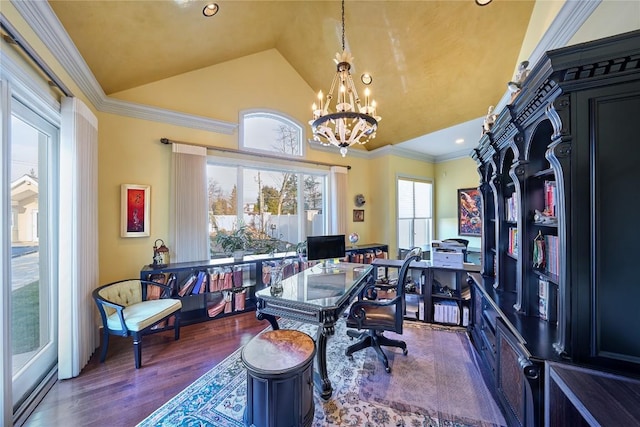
x=33, y=267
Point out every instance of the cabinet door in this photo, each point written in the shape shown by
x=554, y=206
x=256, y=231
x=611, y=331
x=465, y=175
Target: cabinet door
x=518, y=380
x=605, y=282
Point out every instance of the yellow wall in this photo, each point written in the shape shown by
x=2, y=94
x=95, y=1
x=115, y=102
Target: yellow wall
x=450, y=176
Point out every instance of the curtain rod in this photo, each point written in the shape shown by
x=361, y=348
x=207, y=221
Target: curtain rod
x=168, y=141
x=14, y=38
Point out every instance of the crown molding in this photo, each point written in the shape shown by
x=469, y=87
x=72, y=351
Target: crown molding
x=572, y=15
x=47, y=26
x=392, y=150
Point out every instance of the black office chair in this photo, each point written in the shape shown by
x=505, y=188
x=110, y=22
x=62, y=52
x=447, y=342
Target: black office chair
x=372, y=317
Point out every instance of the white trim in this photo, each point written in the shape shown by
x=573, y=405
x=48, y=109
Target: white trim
x=44, y=22
x=567, y=22
x=28, y=91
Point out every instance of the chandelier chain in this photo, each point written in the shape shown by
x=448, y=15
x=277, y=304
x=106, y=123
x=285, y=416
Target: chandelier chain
x=343, y=25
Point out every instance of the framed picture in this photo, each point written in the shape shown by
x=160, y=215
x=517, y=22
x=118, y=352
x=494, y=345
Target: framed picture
x=358, y=215
x=135, y=201
x=469, y=212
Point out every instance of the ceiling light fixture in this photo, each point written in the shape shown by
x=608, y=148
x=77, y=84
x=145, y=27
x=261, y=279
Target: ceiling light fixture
x=210, y=9
x=483, y=2
x=352, y=122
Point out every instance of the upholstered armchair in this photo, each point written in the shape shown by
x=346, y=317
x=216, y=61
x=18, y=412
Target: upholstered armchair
x=127, y=308
x=371, y=317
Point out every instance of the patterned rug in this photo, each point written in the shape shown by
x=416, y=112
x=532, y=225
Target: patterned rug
x=437, y=384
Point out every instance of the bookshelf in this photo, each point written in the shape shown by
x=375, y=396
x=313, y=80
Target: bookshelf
x=432, y=294
x=558, y=281
x=222, y=287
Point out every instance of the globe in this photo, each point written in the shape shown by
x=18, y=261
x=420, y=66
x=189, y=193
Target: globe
x=353, y=238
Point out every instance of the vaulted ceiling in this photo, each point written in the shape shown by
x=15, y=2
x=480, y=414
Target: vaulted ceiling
x=434, y=64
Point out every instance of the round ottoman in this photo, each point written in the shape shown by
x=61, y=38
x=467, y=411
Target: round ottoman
x=279, y=379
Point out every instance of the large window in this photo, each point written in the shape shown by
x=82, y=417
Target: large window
x=415, y=213
x=279, y=206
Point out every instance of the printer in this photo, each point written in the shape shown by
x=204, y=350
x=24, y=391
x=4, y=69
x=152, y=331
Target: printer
x=448, y=253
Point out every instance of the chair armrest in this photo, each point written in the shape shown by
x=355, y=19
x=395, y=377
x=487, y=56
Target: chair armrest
x=118, y=307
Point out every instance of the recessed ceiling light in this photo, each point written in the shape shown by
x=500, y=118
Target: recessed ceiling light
x=366, y=78
x=210, y=9
x=483, y=2
x=459, y=141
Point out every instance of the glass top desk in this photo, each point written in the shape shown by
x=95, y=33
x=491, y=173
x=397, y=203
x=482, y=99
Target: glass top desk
x=317, y=295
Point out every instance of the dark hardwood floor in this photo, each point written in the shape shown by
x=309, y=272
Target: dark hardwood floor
x=115, y=393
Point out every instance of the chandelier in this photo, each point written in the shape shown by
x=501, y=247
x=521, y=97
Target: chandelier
x=352, y=122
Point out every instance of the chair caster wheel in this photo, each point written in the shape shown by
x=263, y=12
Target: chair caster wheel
x=388, y=369
x=405, y=351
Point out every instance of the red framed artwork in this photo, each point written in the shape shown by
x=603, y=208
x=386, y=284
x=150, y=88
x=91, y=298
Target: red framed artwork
x=469, y=212
x=135, y=202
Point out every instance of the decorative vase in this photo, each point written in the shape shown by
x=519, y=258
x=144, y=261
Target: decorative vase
x=276, y=287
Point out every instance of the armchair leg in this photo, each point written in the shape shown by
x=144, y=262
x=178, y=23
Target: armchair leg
x=137, y=349
x=105, y=344
x=176, y=326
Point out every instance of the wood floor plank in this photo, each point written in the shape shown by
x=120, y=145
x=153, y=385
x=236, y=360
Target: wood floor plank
x=115, y=393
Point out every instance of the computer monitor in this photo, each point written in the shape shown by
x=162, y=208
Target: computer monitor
x=320, y=248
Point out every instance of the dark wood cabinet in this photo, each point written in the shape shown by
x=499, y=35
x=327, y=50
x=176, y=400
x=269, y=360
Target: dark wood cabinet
x=558, y=170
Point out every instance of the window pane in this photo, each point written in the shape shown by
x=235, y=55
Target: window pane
x=405, y=234
x=25, y=262
x=422, y=235
x=313, y=197
x=270, y=204
x=272, y=133
x=405, y=199
x=223, y=197
x=422, y=199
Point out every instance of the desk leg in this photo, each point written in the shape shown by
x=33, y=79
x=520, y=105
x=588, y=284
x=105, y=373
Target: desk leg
x=323, y=383
x=270, y=318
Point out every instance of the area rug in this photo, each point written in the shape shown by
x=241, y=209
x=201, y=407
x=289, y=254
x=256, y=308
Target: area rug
x=437, y=384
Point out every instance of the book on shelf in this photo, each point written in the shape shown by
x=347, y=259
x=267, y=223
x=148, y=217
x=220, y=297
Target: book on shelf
x=543, y=299
x=550, y=198
x=512, y=208
x=199, y=285
x=551, y=255
x=240, y=300
x=446, y=312
x=186, y=287
x=513, y=241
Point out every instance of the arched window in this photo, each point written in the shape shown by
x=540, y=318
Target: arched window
x=269, y=132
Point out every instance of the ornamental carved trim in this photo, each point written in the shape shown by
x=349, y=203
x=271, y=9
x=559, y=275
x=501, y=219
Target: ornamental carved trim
x=602, y=68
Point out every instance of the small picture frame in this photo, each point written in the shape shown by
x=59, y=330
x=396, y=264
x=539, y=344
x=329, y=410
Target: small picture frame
x=358, y=215
x=134, y=218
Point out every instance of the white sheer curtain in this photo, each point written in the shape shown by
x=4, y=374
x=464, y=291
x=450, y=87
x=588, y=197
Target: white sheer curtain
x=338, y=200
x=78, y=252
x=188, y=214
